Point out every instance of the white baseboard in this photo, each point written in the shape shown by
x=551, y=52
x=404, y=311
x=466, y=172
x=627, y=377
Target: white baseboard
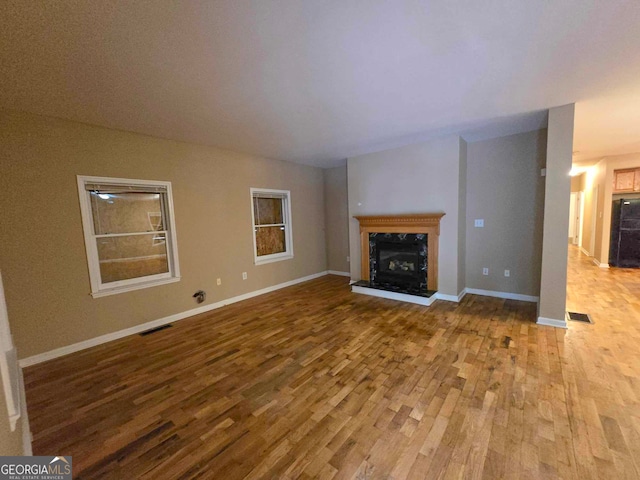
x=505, y=295
x=451, y=298
x=76, y=347
x=598, y=264
x=403, y=297
x=446, y=297
x=552, y=322
x=336, y=272
x=583, y=250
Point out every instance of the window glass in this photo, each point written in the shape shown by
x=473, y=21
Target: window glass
x=127, y=212
x=267, y=211
x=270, y=240
x=129, y=233
x=132, y=256
x=271, y=225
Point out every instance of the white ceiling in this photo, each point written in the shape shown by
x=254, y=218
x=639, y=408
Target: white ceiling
x=317, y=81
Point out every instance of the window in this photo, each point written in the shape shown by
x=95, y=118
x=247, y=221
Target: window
x=271, y=215
x=129, y=234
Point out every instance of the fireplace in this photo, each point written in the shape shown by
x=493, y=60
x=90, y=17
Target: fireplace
x=398, y=262
x=399, y=256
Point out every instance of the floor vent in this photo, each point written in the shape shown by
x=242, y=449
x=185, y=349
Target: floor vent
x=154, y=330
x=579, y=317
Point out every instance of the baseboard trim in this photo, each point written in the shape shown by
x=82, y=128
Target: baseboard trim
x=552, y=322
x=505, y=295
x=451, y=298
x=446, y=297
x=336, y=272
x=403, y=297
x=76, y=347
x=583, y=250
x=598, y=264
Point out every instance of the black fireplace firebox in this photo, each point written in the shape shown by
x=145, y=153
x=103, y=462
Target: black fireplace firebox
x=398, y=262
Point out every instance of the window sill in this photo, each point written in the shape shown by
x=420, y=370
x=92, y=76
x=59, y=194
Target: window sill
x=262, y=261
x=130, y=288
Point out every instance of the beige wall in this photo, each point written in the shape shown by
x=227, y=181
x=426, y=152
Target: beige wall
x=42, y=253
x=588, y=188
x=599, y=176
x=553, y=285
x=577, y=183
x=505, y=188
x=337, y=218
x=421, y=178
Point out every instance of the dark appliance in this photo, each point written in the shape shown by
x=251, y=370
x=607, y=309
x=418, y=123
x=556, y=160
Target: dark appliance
x=624, y=250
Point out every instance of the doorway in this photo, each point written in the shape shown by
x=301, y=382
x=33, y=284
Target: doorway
x=576, y=211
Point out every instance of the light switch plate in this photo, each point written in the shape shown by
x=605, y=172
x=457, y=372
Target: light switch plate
x=479, y=223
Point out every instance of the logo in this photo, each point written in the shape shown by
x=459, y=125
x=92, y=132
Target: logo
x=35, y=468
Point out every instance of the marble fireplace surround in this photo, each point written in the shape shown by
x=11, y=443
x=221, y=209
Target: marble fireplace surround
x=428, y=223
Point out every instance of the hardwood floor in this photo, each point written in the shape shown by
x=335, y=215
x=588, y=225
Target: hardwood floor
x=315, y=382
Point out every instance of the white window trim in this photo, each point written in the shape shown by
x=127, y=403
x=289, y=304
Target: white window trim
x=99, y=289
x=276, y=257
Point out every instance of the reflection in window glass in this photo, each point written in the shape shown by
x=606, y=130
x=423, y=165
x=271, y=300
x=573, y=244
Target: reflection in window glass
x=270, y=240
x=128, y=212
x=132, y=256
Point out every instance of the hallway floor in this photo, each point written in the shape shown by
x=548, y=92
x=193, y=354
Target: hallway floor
x=602, y=368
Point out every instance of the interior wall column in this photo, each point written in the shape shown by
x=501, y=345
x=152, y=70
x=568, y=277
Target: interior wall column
x=553, y=284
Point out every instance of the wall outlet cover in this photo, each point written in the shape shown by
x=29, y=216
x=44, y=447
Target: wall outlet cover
x=485, y=271
x=507, y=273
x=479, y=223
x=244, y=275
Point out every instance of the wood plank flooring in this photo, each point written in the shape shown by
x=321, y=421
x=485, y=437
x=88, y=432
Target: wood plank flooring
x=315, y=382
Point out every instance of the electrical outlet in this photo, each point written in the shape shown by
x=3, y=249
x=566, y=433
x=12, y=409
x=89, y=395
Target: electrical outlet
x=348, y=259
x=507, y=273
x=479, y=223
x=244, y=275
x=485, y=271
x=219, y=281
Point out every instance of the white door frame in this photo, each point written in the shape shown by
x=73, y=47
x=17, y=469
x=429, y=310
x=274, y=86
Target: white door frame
x=580, y=216
x=575, y=221
x=572, y=216
x=594, y=219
